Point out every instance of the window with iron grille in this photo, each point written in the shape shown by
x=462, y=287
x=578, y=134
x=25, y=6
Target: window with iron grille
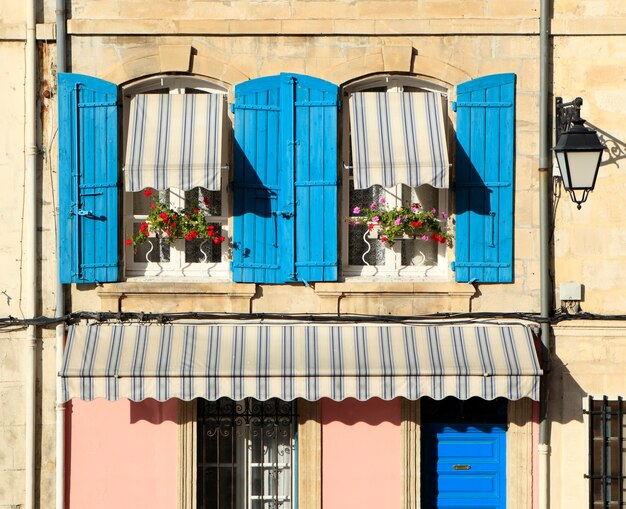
x=245, y=454
x=606, y=453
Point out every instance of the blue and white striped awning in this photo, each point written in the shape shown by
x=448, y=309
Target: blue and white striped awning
x=174, y=140
x=289, y=361
x=398, y=138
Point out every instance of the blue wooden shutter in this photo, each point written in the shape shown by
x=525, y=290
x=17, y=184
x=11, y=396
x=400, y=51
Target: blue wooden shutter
x=315, y=149
x=88, y=180
x=285, y=180
x=485, y=131
x=259, y=157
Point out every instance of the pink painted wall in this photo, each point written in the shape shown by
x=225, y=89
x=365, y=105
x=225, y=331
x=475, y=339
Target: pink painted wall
x=121, y=454
x=362, y=454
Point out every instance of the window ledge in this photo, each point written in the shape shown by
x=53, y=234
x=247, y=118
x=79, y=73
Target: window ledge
x=170, y=297
x=397, y=298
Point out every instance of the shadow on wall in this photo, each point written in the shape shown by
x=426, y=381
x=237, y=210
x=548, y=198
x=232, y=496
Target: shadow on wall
x=616, y=148
x=566, y=396
x=153, y=411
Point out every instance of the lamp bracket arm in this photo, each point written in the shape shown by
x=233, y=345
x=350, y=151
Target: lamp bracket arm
x=565, y=114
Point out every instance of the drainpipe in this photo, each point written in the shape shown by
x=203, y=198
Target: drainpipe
x=60, y=301
x=30, y=247
x=544, y=240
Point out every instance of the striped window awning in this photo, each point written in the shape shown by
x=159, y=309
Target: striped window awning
x=398, y=138
x=174, y=140
x=289, y=361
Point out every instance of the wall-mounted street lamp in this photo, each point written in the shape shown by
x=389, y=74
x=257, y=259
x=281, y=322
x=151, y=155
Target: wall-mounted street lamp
x=578, y=150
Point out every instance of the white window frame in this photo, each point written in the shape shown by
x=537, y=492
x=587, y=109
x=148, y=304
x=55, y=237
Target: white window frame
x=392, y=268
x=176, y=268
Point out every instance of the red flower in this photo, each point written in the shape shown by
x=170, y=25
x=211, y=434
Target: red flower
x=144, y=227
x=129, y=242
x=414, y=224
x=384, y=239
x=206, y=201
x=370, y=226
x=188, y=236
x=196, y=210
x=210, y=233
x=163, y=216
x=152, y=206
x=169, y=232
x=147, y=192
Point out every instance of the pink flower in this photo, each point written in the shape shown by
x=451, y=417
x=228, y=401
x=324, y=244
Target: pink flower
x=356, y=210
x=434, y=211
x=414, y=210
x=398, y=221
x=425, y=237
x=375, y=220
x=373, y=206
x=382, y=200
x=444, y=215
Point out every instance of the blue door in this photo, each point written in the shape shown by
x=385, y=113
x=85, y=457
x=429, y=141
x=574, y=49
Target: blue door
x=463, y=466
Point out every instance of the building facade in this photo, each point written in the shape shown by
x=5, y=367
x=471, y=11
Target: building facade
x=263, y=350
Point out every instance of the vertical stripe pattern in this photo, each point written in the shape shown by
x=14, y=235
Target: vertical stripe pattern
x=398, y=138
x=174, y=141
x=292, y=360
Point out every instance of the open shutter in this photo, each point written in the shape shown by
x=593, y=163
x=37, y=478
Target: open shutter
x=257, y=183
x=285, y=180
x=485, y=179
x=315, y=149
x=88, y=180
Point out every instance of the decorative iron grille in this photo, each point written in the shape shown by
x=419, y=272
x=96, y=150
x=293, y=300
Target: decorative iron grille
x=245, y=451
x=606, y=453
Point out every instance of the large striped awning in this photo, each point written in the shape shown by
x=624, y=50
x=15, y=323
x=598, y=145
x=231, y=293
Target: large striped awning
x=174, y=140
x=289, y=361
x=398, y=138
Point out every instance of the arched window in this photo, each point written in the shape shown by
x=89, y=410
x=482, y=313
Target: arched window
x=159, y=255
x=367, y=257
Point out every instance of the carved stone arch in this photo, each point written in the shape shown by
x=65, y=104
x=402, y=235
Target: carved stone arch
x=396, y=59
x=182, y=58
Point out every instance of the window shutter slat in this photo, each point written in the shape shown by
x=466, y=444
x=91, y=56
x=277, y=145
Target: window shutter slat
x=256, y=183
x=316, y=180
x=285, y=181
x=485, y=179
x=88, y=180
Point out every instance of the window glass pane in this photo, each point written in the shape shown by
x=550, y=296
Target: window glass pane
x=363, y=198
x=153, y=250
x=209, y=200
x=141, y=202
x=204, y=250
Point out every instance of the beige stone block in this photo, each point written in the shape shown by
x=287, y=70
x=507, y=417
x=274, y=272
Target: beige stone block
x=444, y=71
x=307, y=26
x=285, y=299
x=175, y=58
x=526, y=244
x=12, y=450
x=324, y=10
x=213, y=68
x=354, y=68
x=450, y=9
x=271, y=67
x=519, y=8
x=397, y=58
x=264, y=26
x=389, y=9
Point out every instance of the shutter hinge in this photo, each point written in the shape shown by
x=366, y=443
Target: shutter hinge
x=294, y=142
x=453, y=109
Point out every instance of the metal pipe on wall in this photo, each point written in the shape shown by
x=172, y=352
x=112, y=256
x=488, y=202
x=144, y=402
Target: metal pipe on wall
x=545, y=251
x=60, y=300
x=29, y=249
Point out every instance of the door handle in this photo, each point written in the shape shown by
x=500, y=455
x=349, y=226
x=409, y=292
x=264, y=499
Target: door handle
x=461, y=467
